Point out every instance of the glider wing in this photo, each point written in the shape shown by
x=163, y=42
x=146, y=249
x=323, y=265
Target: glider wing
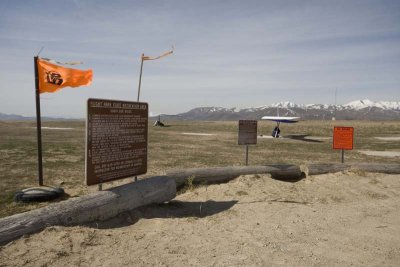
x=281, y=119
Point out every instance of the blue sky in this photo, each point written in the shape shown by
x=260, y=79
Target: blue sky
x=227, y=53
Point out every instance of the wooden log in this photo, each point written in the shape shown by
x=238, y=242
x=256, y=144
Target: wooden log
x=322, y=168
x=373, y=167
x=100, y=205
x=222, y=174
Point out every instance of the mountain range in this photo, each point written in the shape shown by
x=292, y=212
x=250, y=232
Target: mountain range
x=14, y=117
x=355, y=110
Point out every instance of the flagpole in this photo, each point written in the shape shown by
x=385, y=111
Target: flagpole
x=38, y=122
x=140, y=78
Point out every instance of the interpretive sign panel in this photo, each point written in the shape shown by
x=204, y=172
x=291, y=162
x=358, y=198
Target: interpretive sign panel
x=247, y=132
x=343, y=138
x=116, y=140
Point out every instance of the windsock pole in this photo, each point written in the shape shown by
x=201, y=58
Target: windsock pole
x=140, y=78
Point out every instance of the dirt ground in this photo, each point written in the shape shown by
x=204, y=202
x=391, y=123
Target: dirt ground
x=334, y=219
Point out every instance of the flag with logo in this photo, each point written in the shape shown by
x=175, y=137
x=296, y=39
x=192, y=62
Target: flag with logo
x=53, y=77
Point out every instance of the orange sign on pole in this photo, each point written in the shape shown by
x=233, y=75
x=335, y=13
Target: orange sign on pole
x=343, y=138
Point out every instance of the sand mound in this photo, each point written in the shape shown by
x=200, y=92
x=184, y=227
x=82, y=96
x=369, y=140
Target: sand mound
x=342, y=219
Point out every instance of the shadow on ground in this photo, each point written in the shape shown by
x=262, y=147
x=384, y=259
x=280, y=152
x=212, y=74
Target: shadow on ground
x=173, y=209
x=288, y=179
x=302, y=137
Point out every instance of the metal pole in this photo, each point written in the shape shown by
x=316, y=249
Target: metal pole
x=140, y=78
x=138, y=93
x=247, y=155
x=342, y=155
x=335, y=101
x=101, y=185
x=38, y=122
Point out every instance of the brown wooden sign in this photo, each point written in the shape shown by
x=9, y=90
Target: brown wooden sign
x=247, y=132
x=116, y=140
x=343, y=138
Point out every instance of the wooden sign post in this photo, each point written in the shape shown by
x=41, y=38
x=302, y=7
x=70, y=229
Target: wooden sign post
x=343, y=139
x=247, y=135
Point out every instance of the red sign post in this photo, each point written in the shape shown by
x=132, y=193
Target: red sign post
x=343, y=139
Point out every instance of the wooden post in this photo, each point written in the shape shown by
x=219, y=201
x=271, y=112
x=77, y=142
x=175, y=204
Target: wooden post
x=101, y=185
x=247, y=155
x=140, y=78
x=138, y=93
x=38, y=122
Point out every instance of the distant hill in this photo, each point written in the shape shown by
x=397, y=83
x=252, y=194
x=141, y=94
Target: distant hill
x=14, y=117
x=355, y=110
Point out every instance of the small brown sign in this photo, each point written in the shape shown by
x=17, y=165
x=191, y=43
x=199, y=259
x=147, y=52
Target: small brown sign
x=247, y=132
x=343, y=138
x=116, y=140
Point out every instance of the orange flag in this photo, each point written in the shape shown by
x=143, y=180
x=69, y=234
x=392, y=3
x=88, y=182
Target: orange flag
x=53, y=77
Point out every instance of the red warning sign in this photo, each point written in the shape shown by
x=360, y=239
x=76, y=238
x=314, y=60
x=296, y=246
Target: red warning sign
x=343, y=137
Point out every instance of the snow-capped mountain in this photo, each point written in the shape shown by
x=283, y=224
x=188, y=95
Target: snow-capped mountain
x=357, y=105
x=355, y=110
x=285, y=104
x=361, y=104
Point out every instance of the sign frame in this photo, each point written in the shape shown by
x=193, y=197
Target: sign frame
x=343, y=138
x=124, y=127
x=247, y=132
x=247, y=135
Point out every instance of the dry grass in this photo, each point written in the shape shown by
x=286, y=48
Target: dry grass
x=168, y=148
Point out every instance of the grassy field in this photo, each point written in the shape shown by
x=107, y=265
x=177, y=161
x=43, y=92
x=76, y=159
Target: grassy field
x=169, y=147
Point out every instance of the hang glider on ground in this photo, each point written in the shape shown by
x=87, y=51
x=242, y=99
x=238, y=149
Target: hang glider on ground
x=278, y=120
x=281, y=119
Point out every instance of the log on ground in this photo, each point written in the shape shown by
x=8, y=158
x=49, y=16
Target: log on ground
x=375, y=167
x=100, y=205
x=322, y=168
x=222, y=174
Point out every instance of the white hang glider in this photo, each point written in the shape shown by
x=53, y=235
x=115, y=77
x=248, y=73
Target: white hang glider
x=278, y=119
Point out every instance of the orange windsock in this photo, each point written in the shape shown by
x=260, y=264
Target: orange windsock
x=154, y=58
x=53, y=77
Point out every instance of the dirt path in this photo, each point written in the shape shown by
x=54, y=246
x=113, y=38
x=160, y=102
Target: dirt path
x=343, y=219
